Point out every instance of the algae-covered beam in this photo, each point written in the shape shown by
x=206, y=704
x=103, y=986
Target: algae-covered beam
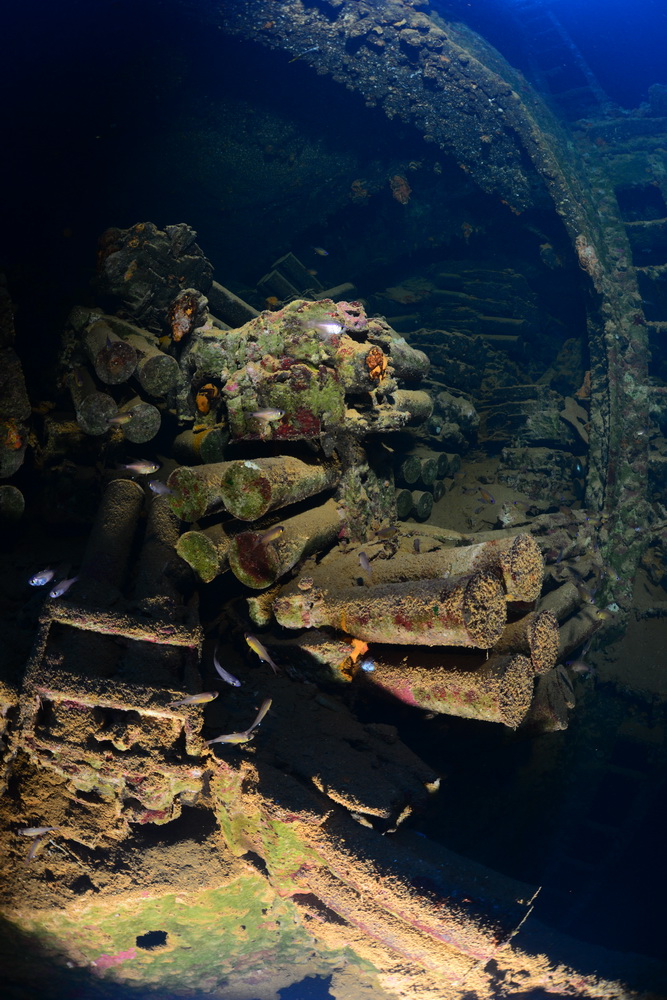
x=467, y=611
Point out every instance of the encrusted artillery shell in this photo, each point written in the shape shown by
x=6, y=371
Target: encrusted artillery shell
x=94, y=409
x=114, y=360
x=156, y=372
x=516, y=560
x=195, y=491
x=536, y=635
x=109, y=544
x=422, y=504
x=201, y=444
x=205, y=551
x=498, y=690
x=12, y=503
x=403, y=500
x=468, y=611
x=415, y=402
x=258, y=564
x=250, y=489
x=145, y=422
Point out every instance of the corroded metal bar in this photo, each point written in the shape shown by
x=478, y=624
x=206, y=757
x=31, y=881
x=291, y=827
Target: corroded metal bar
x=468, y=611
x=258, y=564
x=251, y=489
x=109, y=544
x=205, y=551
x=499, y=689
x=536, y=635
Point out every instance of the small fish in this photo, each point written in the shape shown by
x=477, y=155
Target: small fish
x=141, y=467
x=247, y=733
x=62, y=587
x=225, y=674
x=388, y=532
x=263, y=653
x=35, y=848
x=364, y=563
x=267, y=415
x=321, y=252
x=604, y=614
x=486, y=496
x=121, y=418
x=37, y=831
x=368, y=666
x=581, y=667
x=159, y=488
x=272, y=534
x=315, y=48
x=416, y=544
x=195, y=699
x=43, y=577
x=326, y=328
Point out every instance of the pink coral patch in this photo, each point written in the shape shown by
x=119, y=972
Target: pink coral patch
x=107, y=961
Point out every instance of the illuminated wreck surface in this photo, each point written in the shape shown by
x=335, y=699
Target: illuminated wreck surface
x=332, y=458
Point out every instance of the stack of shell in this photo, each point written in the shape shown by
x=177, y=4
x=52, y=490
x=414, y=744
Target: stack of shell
x=15, y=413
x=293, y=375
x=122, y=373
x=435, y=595
x=318, y=377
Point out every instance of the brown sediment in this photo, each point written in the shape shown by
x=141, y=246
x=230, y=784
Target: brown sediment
x=536, y=635
x=250, y=489
x=467, y=611
x=499, y=689
x=258, y=564
x=205, y=551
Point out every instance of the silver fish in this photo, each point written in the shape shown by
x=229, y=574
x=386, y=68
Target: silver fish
x=142, y=467
x=268, y=414
x=364, y=563
x=43, y=577
x=247, y=733
x=37, y=831
x=159, y=488
x=261, y=651
x=225, y=674
x=62, y=587
x=202, y=698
